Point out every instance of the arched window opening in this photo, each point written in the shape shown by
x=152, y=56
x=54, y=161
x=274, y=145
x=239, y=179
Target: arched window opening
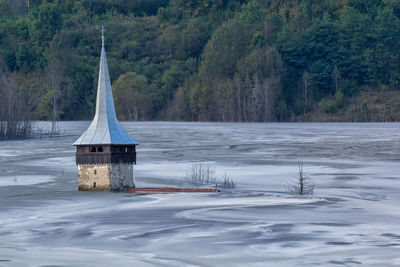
x=100, y=149
x=126, y=149
x=94, y=185
x=93, y=149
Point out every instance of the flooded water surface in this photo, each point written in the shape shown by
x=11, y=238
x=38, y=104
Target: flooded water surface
x=351, y=220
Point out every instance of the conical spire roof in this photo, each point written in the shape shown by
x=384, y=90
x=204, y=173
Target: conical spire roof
x=105, y=128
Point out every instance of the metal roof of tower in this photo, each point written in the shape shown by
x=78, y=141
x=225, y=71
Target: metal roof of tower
x=105, y=127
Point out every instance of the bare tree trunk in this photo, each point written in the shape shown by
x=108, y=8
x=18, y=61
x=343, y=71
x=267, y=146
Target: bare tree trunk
x=301, y=179
x=336, y=77
x=54, y=117
x=257, y=100
x=245, y=107
x=268, y=99
x=238, y=102
x=306, y=80
x=55, y=72
x=136, y=113
x=232, y=105
x=14, y=114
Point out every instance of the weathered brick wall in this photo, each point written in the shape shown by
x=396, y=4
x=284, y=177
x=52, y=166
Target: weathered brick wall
x=90, y=174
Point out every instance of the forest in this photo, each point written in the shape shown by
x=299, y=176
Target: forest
x=202, y=60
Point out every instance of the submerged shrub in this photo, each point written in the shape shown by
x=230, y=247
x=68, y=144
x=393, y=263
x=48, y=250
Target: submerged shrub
x=204, y=174
x=302, y=185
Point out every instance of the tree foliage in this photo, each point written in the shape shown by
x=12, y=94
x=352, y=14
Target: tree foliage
x=239, y=60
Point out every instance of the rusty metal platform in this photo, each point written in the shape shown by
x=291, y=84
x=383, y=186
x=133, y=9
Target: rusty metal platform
x=169, y=190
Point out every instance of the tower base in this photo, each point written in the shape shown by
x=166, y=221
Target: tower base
x=105, y=177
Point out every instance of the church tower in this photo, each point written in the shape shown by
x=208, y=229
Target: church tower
x=105, y=153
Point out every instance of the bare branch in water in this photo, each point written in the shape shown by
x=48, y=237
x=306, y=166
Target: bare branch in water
x=302, y=185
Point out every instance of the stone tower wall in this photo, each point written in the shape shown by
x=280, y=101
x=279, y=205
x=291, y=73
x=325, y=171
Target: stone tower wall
x=105, y=177
x=121, y=175
x=88, y=175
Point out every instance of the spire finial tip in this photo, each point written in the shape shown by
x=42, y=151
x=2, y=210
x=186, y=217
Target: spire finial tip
x=102, y=35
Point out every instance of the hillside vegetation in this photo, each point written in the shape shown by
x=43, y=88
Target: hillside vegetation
x=203, y=60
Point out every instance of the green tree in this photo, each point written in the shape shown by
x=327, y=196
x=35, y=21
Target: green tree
x=222, y=52
x=195, y=37
x=354, y=36
x=386, y=53
x=25, y=57
x=5, y=9
x=132, y=97
x=45, y=19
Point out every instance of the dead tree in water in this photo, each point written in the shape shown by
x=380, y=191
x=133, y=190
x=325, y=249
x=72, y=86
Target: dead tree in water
x=204, y=174
x=303, y=185
x=227, y=182
x=201, y=174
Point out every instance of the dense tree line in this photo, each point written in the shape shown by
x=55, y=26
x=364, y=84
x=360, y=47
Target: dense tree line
x=218, y=60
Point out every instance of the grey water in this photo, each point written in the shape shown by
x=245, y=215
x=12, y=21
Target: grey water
x=351, y=220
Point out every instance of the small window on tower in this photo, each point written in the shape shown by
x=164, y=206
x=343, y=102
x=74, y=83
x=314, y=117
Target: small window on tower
x=95, y=171
x=93, y=149
x=126, y=149
x=99, y=149
x=94, y=185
